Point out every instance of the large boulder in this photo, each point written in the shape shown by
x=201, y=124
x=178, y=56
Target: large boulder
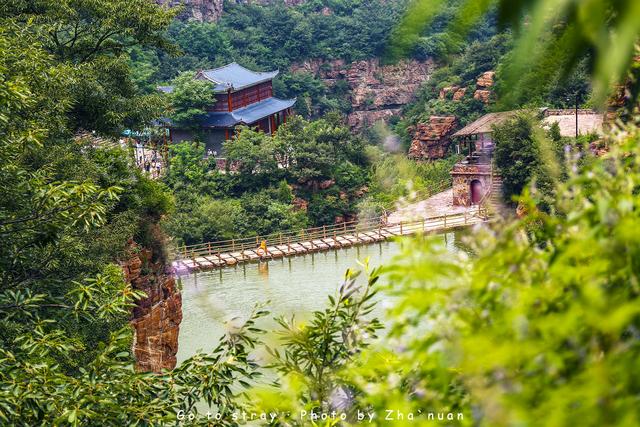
x=431, y=140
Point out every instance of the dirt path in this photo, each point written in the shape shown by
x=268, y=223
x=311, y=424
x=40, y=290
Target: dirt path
x=437, y=205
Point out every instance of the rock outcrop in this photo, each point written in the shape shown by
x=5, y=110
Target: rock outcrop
x=360, y=119
x=197, y=10
x=483, y=85
x=377, y=92
x=486, y=79
x=459, y=94
x=431, y=140
x=211, y=10
x=156, y=318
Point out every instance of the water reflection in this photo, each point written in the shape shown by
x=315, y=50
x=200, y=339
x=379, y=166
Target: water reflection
x=294, y=286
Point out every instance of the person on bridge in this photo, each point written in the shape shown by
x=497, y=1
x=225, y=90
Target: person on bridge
x=263, y=248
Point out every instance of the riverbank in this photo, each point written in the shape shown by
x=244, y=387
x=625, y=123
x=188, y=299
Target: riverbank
x=292, y=286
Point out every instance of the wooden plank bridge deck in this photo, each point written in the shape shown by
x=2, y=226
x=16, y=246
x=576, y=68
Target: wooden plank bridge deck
x=213, y=255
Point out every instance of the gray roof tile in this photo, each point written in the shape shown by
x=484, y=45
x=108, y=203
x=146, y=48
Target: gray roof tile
x=235, y=77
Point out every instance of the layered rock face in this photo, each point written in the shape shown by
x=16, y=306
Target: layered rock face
x=431, y=140
x=377, y=91
x=197, y=10
x=211, y=10
x=156, y=319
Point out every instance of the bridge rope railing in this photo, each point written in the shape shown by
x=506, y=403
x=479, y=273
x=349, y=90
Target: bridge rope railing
x=313, y=233
x=354, y=228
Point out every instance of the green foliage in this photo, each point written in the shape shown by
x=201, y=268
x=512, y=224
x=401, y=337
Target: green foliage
x=190, y=99
x=395, y=177
x=187, y=164
x=107, y=391
x=558, y=34
x=462, y=71
x=253, y=152
x=319, y=161
x=523, y=153
x=311, y=150
x=68, y=207
x=88, y=42
x=310, y=355
x=536, y=329
x=277, y=36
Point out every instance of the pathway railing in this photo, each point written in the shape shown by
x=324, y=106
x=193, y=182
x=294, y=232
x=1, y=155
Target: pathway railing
x=297, y=236
x=322, y=234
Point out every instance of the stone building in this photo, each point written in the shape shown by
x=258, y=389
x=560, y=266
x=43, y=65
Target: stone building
x=431, y=140
x=572, y=122
x=471, y=181
x=473, y=177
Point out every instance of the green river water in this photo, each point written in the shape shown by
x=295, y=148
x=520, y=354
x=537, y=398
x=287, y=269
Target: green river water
x=294, y=286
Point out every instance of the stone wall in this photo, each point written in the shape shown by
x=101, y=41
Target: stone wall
x=156, y=319
x=463, y=174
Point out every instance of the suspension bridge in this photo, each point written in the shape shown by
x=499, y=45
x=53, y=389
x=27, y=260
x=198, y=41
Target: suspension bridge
x=220, y=254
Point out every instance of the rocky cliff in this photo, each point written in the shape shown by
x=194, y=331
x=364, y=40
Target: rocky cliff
x=377, y=92
x=156, y=319
x=197, y=10
x=211, y=10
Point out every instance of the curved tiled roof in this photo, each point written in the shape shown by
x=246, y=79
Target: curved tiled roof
x=243, y=116
x=235, y=77
x=247, y=115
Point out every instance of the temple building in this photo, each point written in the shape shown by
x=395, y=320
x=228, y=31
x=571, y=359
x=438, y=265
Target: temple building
x=242, y=97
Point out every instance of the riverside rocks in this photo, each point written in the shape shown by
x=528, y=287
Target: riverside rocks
x=156, y=318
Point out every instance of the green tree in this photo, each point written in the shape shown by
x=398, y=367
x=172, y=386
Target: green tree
x=532, y=329
x=517, y=155
x=190, y=99
x=607, y=29
x=68, y=206
x=251, y=151
x=525, y=154
x=187, y=165
x=89, y=41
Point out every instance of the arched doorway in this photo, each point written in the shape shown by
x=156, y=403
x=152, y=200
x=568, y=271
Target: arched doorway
x=476, y=192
